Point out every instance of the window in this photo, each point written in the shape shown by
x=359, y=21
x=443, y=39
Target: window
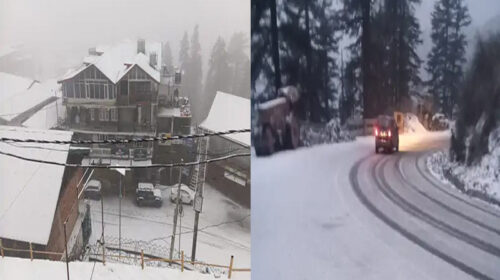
x=114, y=114
x=139, y=109
x=92, y=114
x=103, y=114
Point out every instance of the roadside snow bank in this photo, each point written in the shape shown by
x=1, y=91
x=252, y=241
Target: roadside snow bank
x=314, y=134
x=412, y=124
x=481, y=180
x=24, y=269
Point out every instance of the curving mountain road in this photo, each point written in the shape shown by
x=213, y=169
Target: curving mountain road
x=399, y=190
x=343, y=212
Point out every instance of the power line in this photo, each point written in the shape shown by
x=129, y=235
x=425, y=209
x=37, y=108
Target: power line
x=126, y=141
x=177, y=164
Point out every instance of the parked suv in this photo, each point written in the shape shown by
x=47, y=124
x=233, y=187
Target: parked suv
x=386, y=134
x=147, y=195
x=93, y=190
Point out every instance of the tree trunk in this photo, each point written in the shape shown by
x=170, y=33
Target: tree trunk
x=275, y=46
x=366, y=61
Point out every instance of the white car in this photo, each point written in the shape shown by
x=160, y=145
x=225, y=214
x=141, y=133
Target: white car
x=187, y=194
x=93, y=190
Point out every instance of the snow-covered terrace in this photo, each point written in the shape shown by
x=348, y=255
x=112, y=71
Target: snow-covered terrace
x=29, y=191
x=229, y=112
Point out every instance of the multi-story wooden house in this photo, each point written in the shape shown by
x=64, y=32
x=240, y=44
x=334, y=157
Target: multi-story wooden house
x=112, y=95
x=118, y=92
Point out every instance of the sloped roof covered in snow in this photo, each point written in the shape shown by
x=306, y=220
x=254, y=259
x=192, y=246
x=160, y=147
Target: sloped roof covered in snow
x=12, y=84
x=29, y=191
x=115, y=61
x=23, y=100
x=229, y=112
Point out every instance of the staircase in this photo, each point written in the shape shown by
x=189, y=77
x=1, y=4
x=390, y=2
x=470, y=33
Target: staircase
x=200, y=170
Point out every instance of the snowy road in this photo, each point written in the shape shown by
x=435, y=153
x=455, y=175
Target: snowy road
x=342, y=212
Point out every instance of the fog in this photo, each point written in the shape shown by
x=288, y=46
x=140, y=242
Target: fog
x=480, y=10
x=57, y=33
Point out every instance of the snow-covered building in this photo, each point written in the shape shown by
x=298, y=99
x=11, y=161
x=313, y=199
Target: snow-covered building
x=36, y=198
x=120, y=92
x=232, y=176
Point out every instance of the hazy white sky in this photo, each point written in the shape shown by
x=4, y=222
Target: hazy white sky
x=481, y=11
x=67, y=23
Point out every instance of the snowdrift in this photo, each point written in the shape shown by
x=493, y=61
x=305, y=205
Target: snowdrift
x=314, y=134
x=412, y=124
x=24, y=269
x=482, y=180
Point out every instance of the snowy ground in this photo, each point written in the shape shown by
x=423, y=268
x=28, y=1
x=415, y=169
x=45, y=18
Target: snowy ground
x=340, y=211
x=483, y=177
x=224, y=228
x=24, y=269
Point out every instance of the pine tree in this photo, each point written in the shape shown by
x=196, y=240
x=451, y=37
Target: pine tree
x=167, y=58
x=402, y=38
x=184, y=52
x=309, y=47
x=237, y=60
x=447, y=56
x=356, y=19
x=193, y=80
x=217, y=75
x=263, y=74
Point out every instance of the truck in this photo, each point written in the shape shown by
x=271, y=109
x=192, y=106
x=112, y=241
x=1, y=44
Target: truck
x=277, y=126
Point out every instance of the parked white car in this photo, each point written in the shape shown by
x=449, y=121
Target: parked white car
x=93, y=190
x=187, y=194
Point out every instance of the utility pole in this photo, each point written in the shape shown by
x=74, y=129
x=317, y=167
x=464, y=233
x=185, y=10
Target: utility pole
x=195, y=235
x=120, y=220
x=172, y=240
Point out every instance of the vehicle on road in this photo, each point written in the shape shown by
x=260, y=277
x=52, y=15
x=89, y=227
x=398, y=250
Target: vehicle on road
x=277, y=127
x=187, y=194
x=386, y=134
x=147, y=195
x=93, y=190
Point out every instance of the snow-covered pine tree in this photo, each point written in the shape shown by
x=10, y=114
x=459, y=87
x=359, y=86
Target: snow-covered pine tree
x=447, y=56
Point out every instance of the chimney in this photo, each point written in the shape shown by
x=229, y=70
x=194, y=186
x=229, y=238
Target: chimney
x=92, y=51
x=141, y=46
x=153, y=60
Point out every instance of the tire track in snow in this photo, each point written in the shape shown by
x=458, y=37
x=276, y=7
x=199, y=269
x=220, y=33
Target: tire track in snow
x=412, y=237
x=397, y=165
x=448, y=192
x=413, y=210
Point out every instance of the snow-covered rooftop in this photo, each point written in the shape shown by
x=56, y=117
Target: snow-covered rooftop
x=29, y=190
x=14, y=104
x=12, y=84
x=115, y=61
x=229, y=112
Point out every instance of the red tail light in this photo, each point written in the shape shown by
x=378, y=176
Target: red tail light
x=389, y=133
x=376, y=131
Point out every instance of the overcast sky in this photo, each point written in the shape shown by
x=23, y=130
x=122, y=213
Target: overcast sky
x=64, y=24
x=480, y=10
